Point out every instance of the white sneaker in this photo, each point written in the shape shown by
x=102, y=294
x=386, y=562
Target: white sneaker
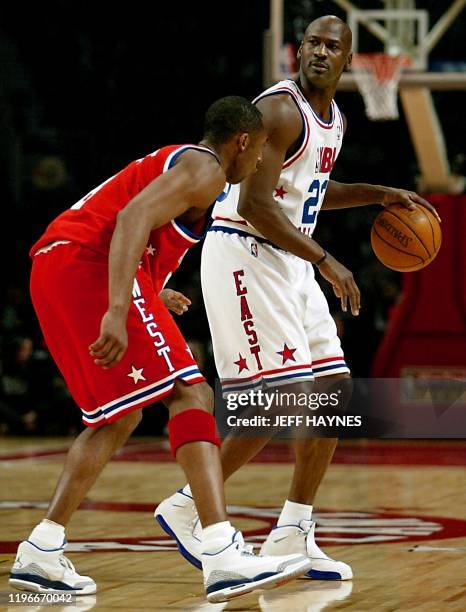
x=235, y=570
x=47, y=571
x=177, y=515
x=300, y=539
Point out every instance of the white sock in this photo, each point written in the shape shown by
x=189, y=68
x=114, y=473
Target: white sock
x=293, y=514
x=217, y=536
x=48, y=535
x=187, y=490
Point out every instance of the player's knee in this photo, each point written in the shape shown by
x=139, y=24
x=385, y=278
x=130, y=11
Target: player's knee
x=306, y=386
x=335, y=390
x=185, y=397
x=324, y=384
x=192, y=425
x=206, y=396
x=128, y=423
x=191, y=420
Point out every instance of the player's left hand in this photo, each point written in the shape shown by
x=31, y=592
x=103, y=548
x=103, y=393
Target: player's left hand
x=110, y=346
x=410, y=199
x=175, y=301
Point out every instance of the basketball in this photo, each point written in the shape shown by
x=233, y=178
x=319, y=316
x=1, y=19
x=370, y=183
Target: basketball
x=406, y=240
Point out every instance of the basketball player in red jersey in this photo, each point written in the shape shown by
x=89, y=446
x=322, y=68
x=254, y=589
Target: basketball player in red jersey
x=102, y=264
x=259, y=249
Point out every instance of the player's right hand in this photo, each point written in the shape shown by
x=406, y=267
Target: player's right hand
x=111, y=345
x=175, y=301
x=343, y=283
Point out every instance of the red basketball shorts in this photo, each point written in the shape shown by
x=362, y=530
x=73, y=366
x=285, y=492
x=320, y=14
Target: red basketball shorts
x=69, y=289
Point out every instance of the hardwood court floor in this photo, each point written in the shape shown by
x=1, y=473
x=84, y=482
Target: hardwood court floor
x=395, y=511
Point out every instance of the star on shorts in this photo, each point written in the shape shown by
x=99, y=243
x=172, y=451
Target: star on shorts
x=287, y=353
x=241, y=363
x=136, y=374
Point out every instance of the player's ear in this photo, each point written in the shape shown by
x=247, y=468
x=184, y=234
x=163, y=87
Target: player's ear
x=349, y=61
x=243, y=142
x=298, y=52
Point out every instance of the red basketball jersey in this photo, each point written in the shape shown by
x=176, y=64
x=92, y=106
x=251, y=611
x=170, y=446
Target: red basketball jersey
x=91, y=221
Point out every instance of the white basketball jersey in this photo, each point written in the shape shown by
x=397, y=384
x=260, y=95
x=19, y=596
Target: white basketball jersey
x=304, y=177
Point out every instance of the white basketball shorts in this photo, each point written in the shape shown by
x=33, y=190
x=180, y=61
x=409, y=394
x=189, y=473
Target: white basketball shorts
x=269, y=320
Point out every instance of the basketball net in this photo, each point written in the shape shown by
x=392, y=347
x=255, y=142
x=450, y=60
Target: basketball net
x=377, y=76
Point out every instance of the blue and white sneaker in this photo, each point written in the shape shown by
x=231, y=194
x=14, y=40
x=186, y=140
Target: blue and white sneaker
x=47, y=571
x=177, y=515
x=235, y=570
x=299, y=539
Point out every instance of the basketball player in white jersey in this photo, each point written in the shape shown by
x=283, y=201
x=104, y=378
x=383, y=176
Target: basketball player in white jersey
x=269, y=319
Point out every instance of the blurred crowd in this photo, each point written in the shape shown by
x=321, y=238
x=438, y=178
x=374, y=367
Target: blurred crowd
x=78, y=101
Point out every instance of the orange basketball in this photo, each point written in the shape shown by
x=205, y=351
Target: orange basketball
x=406, y=240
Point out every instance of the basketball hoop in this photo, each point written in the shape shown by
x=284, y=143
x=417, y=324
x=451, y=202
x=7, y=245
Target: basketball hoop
x=377, y=76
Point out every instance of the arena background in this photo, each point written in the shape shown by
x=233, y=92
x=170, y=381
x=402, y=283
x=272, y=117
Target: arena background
x=85, y=89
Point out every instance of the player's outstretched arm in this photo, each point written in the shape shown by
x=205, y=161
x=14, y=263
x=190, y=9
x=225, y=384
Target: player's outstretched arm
x=349, y=195
x=284, y=124
x=195, y=181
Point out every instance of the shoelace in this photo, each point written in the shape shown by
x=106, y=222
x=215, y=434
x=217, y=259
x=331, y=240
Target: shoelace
x=66, y=563
x=245, y=549
x=193, y=521
x=192, y=526
x=303, y=531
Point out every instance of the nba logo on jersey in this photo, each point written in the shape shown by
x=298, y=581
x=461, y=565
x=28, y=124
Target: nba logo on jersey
x=325, y=159
x=254, y=249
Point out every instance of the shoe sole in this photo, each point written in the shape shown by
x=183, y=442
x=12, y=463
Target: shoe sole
x=314, y=574
x=185, y=553
x=270, y=582
x=25, y=585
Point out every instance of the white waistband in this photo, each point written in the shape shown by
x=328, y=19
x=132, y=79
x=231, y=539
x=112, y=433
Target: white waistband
x=237, y=225
x=49, y=247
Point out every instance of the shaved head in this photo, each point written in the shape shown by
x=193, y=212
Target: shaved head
x=336, y=24
x=325, y=52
